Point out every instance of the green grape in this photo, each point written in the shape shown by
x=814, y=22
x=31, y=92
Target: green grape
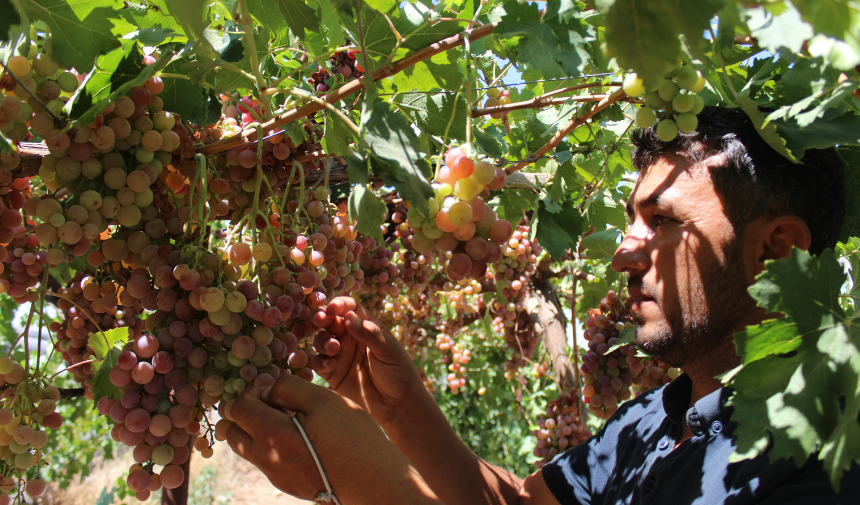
x=19, y=65
x=466, y=189
x=646, y=117
x=700, y=84
x=687, y=77
x=57, y=220
x=633, y=85
x=460, y=213
x=484, y=172
x=687, y=122
x=68, y=82
x=91, y=200
x=653, y=100
x=698, y=105
x=493, y=92
x=115, y=177
x=683, y=103
x=45, y=65
x=667, y=130
x=667, y=90
x=47, y=208
x=164, y=121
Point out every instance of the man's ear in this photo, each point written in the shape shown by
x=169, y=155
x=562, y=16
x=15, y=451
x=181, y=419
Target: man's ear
x=780, y=235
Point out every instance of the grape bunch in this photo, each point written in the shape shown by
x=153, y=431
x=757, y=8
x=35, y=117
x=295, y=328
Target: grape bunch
x=607, y=376
x=512, y=273
x=27, y=405
x=460, y=224
x=343, y=63
x=559, y=428
x=674, y=102
x=496, y=97
x=653, y=375
x=459, y=357
x=23, y=262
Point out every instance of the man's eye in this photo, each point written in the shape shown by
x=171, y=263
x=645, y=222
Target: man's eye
x=660, y=220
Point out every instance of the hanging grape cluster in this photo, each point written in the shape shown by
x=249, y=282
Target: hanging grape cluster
x=559, y=428
x=674, y=102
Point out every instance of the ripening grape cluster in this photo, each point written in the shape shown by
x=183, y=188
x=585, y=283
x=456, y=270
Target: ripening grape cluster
x=559, y=428
x=23, y=262
x=607, y=376
x=511, y=319
x=674, y=102
x=343, y=63
x=653, y=375
x=460, y=225
x=27, y=405
x=496, y=97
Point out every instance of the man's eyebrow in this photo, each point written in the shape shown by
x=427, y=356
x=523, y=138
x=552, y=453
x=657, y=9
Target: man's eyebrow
x=649, y=202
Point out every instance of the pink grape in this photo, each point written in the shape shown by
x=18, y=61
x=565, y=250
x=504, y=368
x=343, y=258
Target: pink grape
x=137, y=420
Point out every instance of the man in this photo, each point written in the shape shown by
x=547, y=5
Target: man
x=707, y=211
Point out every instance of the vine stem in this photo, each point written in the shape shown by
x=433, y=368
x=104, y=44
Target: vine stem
x=84, y=312
x=339, y=113
x=351, y=88
x=247, y=26
x=467, y=45
x=537, y=103
x=569, y=127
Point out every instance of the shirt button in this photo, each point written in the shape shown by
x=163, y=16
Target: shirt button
x=717, y=426
x=663, y=444
x=649, y=485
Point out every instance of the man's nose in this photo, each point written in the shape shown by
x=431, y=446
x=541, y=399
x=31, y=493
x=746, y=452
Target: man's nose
x=632, y=254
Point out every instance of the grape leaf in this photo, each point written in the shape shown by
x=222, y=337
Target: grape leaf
x=153, y=20
x=487, y=143
x=832, y=129
x=552, y=41
x=81, y=29
x=437, y=114
x=558, y=232
x=357, y=168
x=440, y=71
x=836, y=18
x=369, y=210
x=768, y=132
x=192, y=15
x=392, y=142
x=803, y=287
x=111, y=71
x=643, y=35
x=382, y=5
x=267, y=13
x=100, y=344
x=208, y=113
x=851, y=225
x=601, y=244
x=180, y=95
x=336, y=135
x=794, y=397
x=300, y=16
x=102, y=386
x=774, y=31
x=9, y=19
x=627, y=336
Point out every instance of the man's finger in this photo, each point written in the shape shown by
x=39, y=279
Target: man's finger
x=323, y=365
x=340, y=305
x=241, y=443
x=373, y=336
x=293, y=393
x=252, y=414
x=325, y=343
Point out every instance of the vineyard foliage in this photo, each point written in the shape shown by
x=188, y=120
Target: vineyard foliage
x=212, y=173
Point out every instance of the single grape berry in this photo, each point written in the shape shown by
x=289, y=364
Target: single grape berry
x=646, y=117
x=667, y=130
x=683, y=103
x=687, y=122
x=633, y=85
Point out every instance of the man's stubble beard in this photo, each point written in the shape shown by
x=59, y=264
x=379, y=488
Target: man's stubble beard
x=698, y=333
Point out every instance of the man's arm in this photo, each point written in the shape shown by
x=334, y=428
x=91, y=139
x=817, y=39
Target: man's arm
x=452, y=471
x=371, y=368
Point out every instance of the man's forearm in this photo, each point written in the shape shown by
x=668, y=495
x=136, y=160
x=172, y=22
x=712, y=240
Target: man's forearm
x=452, y=471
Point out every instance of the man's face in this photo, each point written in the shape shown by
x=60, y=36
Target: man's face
x=687, y=275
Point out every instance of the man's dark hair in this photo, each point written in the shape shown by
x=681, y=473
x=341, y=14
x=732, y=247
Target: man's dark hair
x=755, y=180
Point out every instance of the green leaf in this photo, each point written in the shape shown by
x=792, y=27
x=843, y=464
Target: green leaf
x=336, y=135
x=768, y=132
x=492, y=145
x=100, y=344
x=439, y=71
x=775, y=336
x=9, y=19
x=774, y=31
x=81, y=29
x=369, y=210
x=835, y=18
x=601, y=210
x=552, y=41
x=642, y=36
x=233, y=52
x=436, y=113
x=382, y=5
x=803, y=287
x=301, y=15
x=512, y=204
x=627, y=336
x=268, y=14
x=181, y=95
x=601, y=244
x=208, y=113
x=102, y=386
x=559, y=232
x=823, y=133
x=193, y=15
x=392, y=142
x=111, y=71
x=851, y=156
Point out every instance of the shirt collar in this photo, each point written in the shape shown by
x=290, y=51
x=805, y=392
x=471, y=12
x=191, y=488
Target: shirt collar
x=702, y=415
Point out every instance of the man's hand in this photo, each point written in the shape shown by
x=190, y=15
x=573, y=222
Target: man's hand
x=359, y=462
x=364, y=362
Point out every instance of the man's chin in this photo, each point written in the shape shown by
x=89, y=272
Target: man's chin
x=657, y=342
